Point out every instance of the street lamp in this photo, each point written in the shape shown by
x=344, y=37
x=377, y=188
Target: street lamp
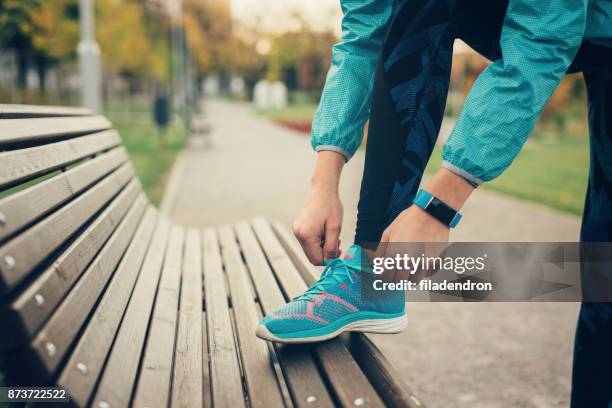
x=89, y=59
x=177, y=44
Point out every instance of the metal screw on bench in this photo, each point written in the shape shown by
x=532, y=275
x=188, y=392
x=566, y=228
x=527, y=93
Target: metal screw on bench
x=50, y=349
x=310, y=399
x=103, y=404
x=40, y=300
x=82, y=368
x=9, y=262
x=2, y=220
x=359, y=402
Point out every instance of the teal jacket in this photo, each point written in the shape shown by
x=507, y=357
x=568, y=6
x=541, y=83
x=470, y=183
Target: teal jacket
x=539, y=41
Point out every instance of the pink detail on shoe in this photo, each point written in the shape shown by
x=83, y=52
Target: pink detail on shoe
x=348, y=256
x=343, y=286
x=340, y=300
x=356, y=276
x=308, y=315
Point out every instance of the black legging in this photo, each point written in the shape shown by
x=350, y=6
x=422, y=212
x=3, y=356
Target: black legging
x=416, y=59
x=404, y=127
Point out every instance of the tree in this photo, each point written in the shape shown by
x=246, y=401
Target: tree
x=55, y=35
x=124, y=42
x=16, y=33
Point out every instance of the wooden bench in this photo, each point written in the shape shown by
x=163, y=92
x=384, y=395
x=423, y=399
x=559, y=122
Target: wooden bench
x=104, y=296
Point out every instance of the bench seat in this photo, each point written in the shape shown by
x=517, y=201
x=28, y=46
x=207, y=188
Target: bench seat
x=104, y=296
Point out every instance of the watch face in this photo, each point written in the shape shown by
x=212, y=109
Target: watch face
x=441, y=211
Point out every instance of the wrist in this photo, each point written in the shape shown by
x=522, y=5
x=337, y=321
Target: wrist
x=328, y=168
x=449, y=188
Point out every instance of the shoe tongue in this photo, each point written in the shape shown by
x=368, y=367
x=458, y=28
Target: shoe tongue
x=353, y=255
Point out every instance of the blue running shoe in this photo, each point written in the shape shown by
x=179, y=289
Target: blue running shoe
x=334, y=305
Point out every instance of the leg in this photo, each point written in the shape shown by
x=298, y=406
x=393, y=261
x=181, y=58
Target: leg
x=407, y=107
x=591, y=382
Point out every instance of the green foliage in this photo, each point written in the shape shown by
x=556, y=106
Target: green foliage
x=127, y=47
x=16, y=22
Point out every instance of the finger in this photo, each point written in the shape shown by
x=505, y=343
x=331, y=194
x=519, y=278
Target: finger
x=314, y=251
x=332, y=241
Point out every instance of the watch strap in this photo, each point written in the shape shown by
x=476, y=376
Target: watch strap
x=437, y=208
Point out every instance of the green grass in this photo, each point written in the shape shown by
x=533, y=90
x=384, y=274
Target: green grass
x=151, y=161
x=552, y=173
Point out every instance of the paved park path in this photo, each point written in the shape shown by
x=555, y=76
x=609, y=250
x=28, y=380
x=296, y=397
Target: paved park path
x=454, y=355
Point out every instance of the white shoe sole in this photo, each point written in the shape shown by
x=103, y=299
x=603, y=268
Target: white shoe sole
x=380, y=326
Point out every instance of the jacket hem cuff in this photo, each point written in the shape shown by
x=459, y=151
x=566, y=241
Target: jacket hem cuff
x=473, y=180
x=332, y=148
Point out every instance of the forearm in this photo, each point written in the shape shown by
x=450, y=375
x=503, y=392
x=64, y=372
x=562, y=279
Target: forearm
x=328, y=168
x=452, y=189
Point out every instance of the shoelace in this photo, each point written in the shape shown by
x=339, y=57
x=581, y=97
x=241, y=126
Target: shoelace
x=335, y=270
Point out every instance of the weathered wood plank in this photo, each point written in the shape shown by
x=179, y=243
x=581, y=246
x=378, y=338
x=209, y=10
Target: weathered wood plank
x=259, y=373
x=81, y=372
x=301, y=373
x=23, y=253
x=29, y=310
x=187, y=384
x=117, y=381
x=24, y=164
x=226, y=382
x=349, y=384
x=206, y=388
x=41, y=129
x=385, y=379
x=27, y=206
x=154, y=383
x=37, y=111
x=51, y=343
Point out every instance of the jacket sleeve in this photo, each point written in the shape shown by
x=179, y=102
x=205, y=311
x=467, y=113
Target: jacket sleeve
x=345, y=103
x=539, y=40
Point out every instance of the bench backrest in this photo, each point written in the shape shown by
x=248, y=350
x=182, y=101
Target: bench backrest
x=69, y=205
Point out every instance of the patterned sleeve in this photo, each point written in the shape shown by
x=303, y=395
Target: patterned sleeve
x=345, y=103
x=539, y=41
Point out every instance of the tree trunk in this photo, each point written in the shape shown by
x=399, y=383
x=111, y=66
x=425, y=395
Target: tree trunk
x=23, y=64
x=41, y=70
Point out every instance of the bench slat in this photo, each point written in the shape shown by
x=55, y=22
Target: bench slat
x=117, y=381
x=30, y=204
x=348, y=381
x=154, y=382
x=24, y=164
x=385, y=379
x=86, y=361
x=20, y=255
x=42, y=129
x=187, y=382
x=226, y=381
x=33, y=111
x=260, y=376
x=50, y=345
x=303, y=378
x=32, y=307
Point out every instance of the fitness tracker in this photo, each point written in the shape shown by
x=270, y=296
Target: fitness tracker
x=437, y=208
